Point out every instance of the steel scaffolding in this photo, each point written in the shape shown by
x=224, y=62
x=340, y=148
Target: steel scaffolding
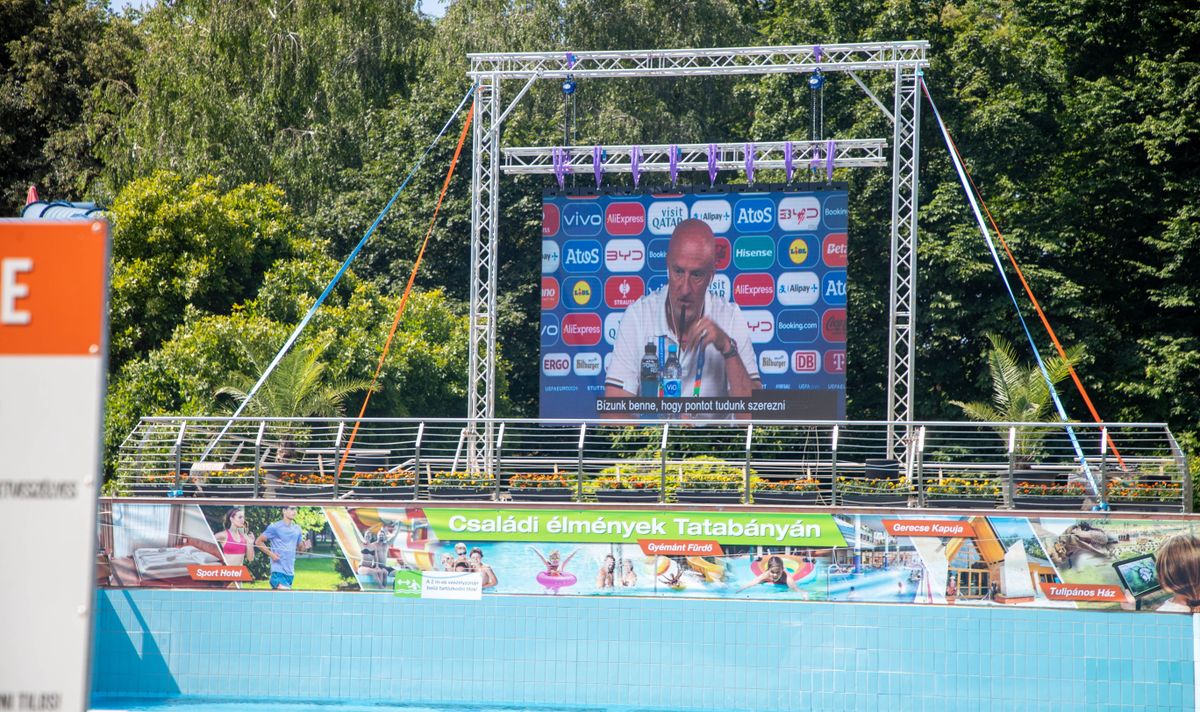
x=904, y=59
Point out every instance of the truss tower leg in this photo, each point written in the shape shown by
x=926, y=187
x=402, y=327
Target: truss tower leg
x=485, y=191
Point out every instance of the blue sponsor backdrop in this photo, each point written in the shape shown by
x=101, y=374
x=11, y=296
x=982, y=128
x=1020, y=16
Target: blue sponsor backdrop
x=781, y=255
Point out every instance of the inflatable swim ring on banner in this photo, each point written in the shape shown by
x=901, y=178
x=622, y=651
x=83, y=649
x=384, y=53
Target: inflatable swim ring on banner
x=798, y=569
x=553, y=582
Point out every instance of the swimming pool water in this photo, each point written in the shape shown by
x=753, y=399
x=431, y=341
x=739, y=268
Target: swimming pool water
x=203, y=704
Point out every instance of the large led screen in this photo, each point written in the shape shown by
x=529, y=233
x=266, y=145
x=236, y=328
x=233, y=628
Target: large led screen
x=721, y=304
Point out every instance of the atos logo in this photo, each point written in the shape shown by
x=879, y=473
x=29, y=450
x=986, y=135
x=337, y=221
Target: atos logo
x=550, y=293
x=556, y=364
x=582, y=219
x=834, y=250
x=714, y=212
x=754, y=214
x=805, y=362
x=719, y=287
x=620, y=292
x=836, y=211
x=656, y=254
x=581, y=256
x=624, y=255
x=721, y=249
x=612, y=324
x=833, y=288
x=799, y=213
x=753, y=290
x=798, y=251
x=625, y=218
x=833, y=326
x=835, y=361
x=761, y=324
x=798, y=289
x=549, y=220
x=773, y=362
x=582, y=292
x=664, y=215
x=798, y=326
x=757, y=252
x=658, y=281
x=588, y=363
x=581, y=329
x=551, y=256
x=550, y=330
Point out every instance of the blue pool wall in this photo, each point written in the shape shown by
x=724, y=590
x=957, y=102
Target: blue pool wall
x=647, y=652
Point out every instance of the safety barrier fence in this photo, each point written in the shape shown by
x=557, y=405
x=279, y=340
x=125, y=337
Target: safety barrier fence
x=847, y=463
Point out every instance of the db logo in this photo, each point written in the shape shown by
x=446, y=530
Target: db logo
x=624, y=255
x=771, y=362
x=550, y=330
x=625, y=218
x=581, y=329
x=798, y=251
x=556, y=364
x=620, y=292
x=834, y=250
x=835, y=361
x=798, y=289
x=582, y=219
x=612, y=324
x=761, y=324
x=549, y=292
x=580, y=256
x=753, y=290
x=799, y=213
x=549, y=220
x=805, y=362
x=833, y=326
x=588, y=364
x=550, y=256
x=584, y=293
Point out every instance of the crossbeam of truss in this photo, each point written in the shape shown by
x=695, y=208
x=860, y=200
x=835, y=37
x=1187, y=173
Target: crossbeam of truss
x=853, y=153
x=862, y=56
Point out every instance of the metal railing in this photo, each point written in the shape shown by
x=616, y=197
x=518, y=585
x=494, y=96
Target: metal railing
x=824, y=463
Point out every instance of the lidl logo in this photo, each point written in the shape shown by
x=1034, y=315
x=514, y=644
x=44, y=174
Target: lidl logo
x=716, y=213
x=582, y=256
x=799, y=213
x=625, y=255
x=656, y=254
x=833, y=326
x=557, y=364
x=620, y=292
x=836, y=211
x=549, y=220
x=550, y=292
x=752, y=253
x=798, y=289
x=761, y=324
x=754, y=214
x=584, y=293
x=834, y=251
x=753, y=289
x=806, y=362
x=625, y=218
x=833, y=288
x=719, y=287
x=550, y=329
x=835, y=361
x=798, y=251
x=587, y=363
x=581, y=329
x=551, y=256
x=582, y=219
x=772, y=362
x=612, y=324
x=664, y=215
x=798, y=326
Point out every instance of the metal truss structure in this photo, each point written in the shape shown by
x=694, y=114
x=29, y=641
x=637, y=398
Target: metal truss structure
x=905, y=60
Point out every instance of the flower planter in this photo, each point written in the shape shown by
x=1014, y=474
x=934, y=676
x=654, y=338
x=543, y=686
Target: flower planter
x=708, y=496
x=627, y=495
x=159, y=490
x=864, y=499
x=959, y=502
x=457, y=493
x=1132, y=506
x=541, y=494
x=382, y=492
x=226, y=489
x=304, y=491
x=786, y=497
x=1065, y=502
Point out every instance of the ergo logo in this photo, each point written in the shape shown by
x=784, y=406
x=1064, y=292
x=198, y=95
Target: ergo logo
x=556, y=364
x=627, y=255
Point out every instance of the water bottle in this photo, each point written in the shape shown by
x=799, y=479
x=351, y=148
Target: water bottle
x=672, y=376
x=649, y=383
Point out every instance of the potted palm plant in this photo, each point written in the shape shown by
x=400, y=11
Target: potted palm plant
x=461, y=485
x=803, y=490
x=539, y=487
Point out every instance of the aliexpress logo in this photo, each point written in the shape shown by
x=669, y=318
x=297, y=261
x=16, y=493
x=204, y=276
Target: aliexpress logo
x=753, y=290
x=581, y=329
x=625, y=218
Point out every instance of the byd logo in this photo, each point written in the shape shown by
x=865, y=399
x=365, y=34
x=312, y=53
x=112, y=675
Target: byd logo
x=799, y=213
x=753, y=290
x=761, y=324
x=624, y=255
x=581, y=329
x=582, y=219
x=625, y=218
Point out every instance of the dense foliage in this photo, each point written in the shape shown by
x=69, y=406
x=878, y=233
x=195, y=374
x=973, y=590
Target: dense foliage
x=283, y=127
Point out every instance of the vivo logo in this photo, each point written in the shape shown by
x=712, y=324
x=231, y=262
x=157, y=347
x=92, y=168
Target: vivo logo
x=582, y=219
x=550, y=330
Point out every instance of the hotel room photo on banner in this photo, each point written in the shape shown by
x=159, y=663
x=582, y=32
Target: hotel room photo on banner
x=714, y=304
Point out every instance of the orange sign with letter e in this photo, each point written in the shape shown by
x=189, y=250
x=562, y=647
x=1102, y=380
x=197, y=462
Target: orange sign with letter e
x=51, y=292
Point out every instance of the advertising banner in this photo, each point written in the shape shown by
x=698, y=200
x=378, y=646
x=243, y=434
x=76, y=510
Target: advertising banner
x=726, y=303
x=1099, y=562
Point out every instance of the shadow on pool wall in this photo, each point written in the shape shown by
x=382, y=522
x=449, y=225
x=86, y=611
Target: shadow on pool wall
x=668, y=653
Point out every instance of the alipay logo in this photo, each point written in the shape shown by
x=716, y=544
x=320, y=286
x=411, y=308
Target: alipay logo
x=714, y=212
x=798, y=289
x=551, y=256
